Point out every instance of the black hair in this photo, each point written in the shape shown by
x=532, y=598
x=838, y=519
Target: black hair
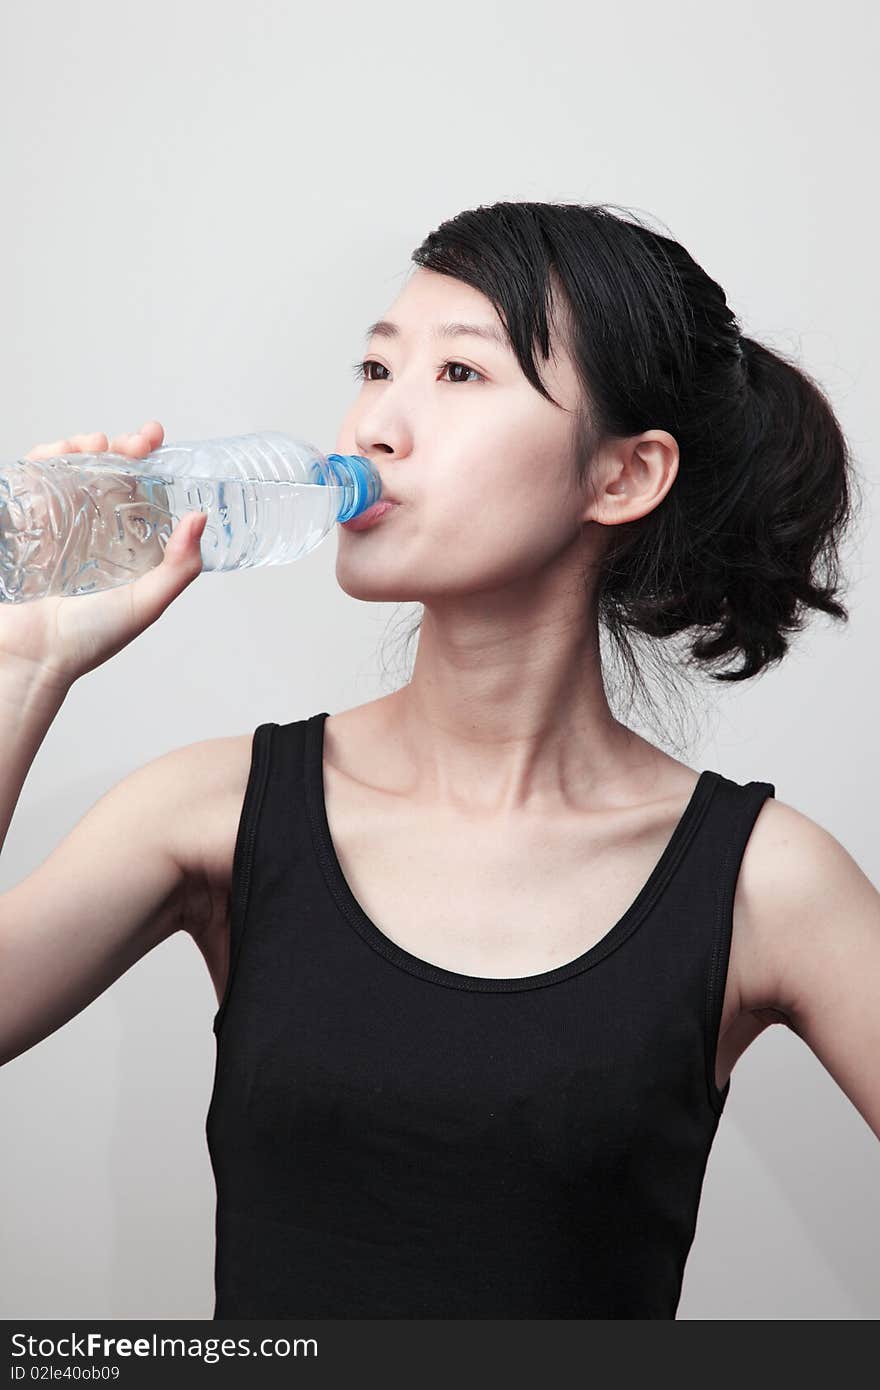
x=748, y=536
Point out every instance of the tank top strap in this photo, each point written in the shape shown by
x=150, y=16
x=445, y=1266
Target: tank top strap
x=695, y=915
x=272, y=838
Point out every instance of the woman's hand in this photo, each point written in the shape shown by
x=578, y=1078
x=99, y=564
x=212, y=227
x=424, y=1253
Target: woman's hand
x=56, y=640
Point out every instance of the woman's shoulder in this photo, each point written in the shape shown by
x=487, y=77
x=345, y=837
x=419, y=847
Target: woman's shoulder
x=813, y=939
x=788, y=860
x=213, y=776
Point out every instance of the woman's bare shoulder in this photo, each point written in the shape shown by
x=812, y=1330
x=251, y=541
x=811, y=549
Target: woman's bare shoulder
x=781, y=833
x=211, y=777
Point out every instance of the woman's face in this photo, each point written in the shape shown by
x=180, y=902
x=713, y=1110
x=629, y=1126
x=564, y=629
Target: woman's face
x=481, y=465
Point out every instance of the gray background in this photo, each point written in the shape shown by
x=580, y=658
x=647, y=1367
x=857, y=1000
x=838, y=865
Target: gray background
x=204, y=207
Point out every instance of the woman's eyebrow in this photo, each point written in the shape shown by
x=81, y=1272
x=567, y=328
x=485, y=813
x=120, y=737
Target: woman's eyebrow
x=489, y=332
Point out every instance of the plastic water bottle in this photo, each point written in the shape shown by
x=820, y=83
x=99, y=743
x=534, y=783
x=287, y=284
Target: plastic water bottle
x=82, y=522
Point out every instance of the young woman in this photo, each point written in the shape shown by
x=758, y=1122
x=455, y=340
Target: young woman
x=485, y=957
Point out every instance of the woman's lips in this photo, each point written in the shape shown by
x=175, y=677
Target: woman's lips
x=369, y=517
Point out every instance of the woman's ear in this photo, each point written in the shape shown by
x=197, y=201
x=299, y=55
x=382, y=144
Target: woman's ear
x=631, y=477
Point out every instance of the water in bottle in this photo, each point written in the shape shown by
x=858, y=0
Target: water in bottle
x=84, y=522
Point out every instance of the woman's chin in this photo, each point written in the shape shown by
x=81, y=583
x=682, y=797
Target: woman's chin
x=373, y=588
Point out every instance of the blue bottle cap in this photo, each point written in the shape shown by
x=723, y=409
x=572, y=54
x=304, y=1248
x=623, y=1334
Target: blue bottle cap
x=356, y=472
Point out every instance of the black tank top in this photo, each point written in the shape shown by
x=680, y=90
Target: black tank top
x=391, y=1139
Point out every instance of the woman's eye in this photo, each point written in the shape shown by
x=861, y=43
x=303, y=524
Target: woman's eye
x=362, y=371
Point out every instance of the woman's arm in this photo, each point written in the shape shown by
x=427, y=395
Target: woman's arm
x=815, y=926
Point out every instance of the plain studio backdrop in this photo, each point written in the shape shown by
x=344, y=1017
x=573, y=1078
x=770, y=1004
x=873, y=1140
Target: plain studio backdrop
x=204, y=206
